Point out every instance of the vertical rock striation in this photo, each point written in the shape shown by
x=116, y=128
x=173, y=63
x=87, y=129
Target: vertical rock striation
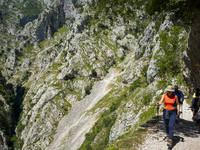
x=193, y=54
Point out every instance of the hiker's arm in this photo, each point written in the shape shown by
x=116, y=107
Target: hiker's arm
x=182, y=95
x=161, y=101
x=178, y=106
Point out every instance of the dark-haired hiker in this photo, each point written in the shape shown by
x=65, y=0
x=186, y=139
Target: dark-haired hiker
x=195, y=104
x=169, y=112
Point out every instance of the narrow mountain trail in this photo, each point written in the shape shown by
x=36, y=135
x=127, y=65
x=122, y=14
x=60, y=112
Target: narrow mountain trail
x=186, y=134
x=73, y=127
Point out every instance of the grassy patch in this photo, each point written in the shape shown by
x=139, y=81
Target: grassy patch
x=55, y=66
x=140, y=82
x=131, y=140
x=62, y=31
x=158, y=98
x=107, y=100
x=148, y=114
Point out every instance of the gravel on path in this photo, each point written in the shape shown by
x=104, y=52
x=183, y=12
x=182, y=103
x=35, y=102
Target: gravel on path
x=186, y=134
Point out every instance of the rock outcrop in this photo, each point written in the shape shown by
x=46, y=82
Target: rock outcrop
x=3, y=142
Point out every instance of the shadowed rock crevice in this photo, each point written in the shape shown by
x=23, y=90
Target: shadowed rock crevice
x=10, y=110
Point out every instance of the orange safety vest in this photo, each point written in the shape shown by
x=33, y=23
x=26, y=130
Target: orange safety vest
x=170, y=102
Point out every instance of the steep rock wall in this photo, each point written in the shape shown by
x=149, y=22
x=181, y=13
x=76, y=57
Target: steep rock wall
x=193, y=52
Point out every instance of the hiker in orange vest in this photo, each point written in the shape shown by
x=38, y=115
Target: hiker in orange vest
x=169, y=112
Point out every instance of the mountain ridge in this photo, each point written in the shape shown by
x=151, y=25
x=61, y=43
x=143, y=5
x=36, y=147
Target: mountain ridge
x=58, y=59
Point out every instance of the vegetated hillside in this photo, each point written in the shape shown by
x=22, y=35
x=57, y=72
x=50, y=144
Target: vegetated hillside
x=64, y=60
x=16, y=14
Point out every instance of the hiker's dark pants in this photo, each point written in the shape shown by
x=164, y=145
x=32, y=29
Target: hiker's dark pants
x=169, y=123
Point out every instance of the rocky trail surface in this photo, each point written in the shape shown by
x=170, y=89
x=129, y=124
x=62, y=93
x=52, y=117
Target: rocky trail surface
x=186, y=134
x=73, y=127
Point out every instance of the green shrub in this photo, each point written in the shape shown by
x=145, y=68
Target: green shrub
x=147, y=99
x=20, y=127
x=102, y=26
x=113, y=8
x=26, y=76
x=162, y=84
x=135, y=84
x=69, y=77
x=31, y=8
x=151, y=47
x=113, y=148
x=17, y=142
x=87, y=90
x=78, y=5
x=94, y=73
x=107, y=121
x=86, y=146
x=113, y=107
x=181, y=9
x=170, y=53
x=144, y=70
x=119, y=38
x=90, y=136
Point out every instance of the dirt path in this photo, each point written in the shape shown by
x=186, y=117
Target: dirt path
x=73, y=127
x=186, y=135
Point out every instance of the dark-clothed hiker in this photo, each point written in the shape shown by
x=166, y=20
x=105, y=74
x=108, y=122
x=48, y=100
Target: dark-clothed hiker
x=169, y=112
x=195, y=104
x=179, y=94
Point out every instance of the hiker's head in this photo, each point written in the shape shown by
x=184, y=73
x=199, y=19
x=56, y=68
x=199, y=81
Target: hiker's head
x=197, y=90
x=169, y=89
x=176, y=87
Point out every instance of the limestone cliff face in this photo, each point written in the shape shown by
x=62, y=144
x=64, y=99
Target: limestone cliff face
x=44, y=27
x=50, y=20
x=67, y=68
x=15, y=14
x=193, y=53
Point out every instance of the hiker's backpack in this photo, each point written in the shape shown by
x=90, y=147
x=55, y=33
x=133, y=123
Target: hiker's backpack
x=179, y=96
